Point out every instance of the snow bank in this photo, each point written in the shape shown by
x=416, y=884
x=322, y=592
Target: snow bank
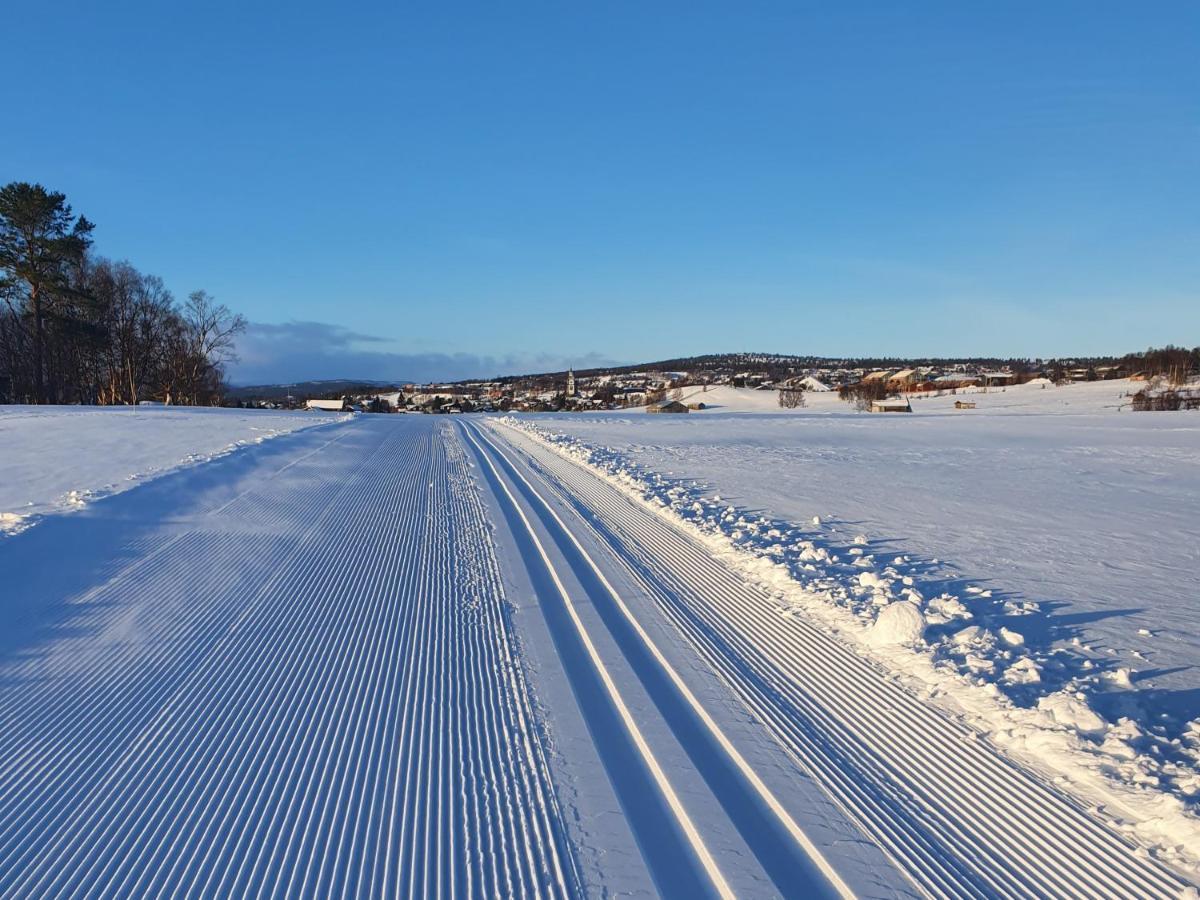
x=1147, y=784
x=58, y=459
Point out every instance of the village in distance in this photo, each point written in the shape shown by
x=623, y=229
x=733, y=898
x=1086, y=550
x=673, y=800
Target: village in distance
x=1158, y=379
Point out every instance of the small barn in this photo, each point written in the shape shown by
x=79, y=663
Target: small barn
x=964, y=404
x=326, y=405
x=667, y=406
x=894, y=404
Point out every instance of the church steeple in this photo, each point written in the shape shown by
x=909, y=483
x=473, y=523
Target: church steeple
x=570, y=382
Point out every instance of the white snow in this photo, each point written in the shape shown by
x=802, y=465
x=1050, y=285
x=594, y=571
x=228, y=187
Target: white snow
x=897, y=624
x=1038, y=397
x=59, y=458
x=1050, y=539
x=307, y=690
x=1072, y=711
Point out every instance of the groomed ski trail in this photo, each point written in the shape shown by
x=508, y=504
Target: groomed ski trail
x=952, y=812
x=311, y=690
x=785, y=852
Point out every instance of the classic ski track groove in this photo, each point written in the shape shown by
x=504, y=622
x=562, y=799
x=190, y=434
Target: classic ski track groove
x=331, y=704
x=951, y=811
x=754, y=783
x=692, y=833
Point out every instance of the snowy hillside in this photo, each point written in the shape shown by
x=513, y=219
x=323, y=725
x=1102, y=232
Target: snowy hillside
x=1036, y=398
x=1038, y=551
x=58, y=458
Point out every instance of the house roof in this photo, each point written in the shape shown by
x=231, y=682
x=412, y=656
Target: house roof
x=669, y=405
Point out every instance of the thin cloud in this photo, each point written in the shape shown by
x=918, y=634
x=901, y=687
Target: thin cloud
x=310, y=351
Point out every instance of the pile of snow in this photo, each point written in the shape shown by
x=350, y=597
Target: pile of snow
x=60, y=458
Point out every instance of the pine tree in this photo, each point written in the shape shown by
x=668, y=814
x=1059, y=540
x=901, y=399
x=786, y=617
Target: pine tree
x=41, y=241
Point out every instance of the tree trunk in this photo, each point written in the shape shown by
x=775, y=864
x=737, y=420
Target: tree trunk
x=39, y=383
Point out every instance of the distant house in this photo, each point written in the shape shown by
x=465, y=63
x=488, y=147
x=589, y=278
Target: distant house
x=812, y=384
x=957, y=380
x=902, y=379
x=667, y=406
x=326, y=405
x=883, y=375
x=891, y=405
x=964, y=404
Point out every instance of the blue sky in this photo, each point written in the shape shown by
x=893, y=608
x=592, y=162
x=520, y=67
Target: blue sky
x=456, y=188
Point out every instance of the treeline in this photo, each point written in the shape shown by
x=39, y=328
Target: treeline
x=78, y=328
x=1176, y=364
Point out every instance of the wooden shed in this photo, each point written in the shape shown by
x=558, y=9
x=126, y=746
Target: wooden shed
x=327, y=405
x=667, y=406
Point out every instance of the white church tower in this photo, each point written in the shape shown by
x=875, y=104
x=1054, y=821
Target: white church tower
x=570, y=382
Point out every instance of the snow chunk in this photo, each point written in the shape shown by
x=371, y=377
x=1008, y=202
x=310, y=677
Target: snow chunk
x=979, y=663
x=949, y=607
x=968, y=635
x=1122, y=677
x=1072, y=711
x=897, y=624
x=1012, y=638
x=871, y=580
x=1023, y=671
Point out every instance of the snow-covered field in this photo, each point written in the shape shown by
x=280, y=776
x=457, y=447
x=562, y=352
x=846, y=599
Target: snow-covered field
x=287, y=672
x=58, y=458
x=463, y=656
x=1046, y=543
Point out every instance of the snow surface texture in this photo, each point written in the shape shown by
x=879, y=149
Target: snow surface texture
x=58, y=459
x=304, y=669
x=289, y=672
x=1066, y=628
x=945, y=806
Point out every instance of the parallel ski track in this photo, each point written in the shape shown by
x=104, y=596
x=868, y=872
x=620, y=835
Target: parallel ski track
x=311, y=692
x=696, y=864
x=953, y=813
